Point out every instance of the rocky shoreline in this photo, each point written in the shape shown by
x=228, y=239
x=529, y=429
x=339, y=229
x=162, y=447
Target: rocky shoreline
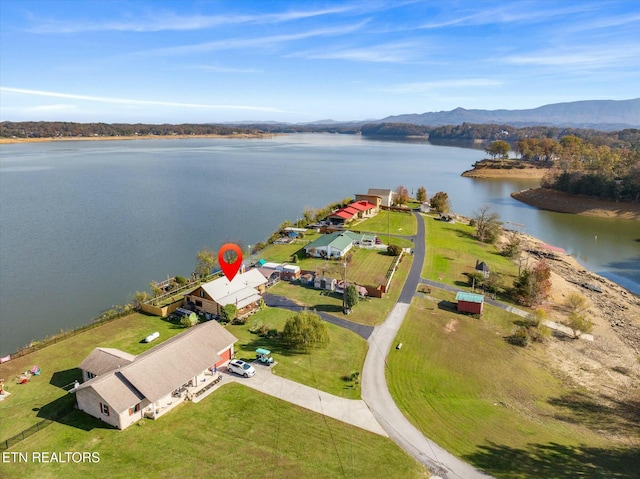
x=553, y=200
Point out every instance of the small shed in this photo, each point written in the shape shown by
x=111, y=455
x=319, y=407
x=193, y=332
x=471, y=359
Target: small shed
x=324, y=282
x=470, y=302
x=483, y=268
x=290, y=272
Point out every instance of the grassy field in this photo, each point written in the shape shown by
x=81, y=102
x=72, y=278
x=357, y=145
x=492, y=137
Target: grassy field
x=498, y=406
x=393, y=222
x=452, y=251
x=371, y=311
x=31, y=402
x=327, y=369
x=234, y=433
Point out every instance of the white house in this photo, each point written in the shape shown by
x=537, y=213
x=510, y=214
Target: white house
x=155, y=381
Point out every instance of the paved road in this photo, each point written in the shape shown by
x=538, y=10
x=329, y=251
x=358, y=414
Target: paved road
x=376, y=393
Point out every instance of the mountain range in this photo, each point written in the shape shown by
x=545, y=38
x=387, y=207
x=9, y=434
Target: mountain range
x=597, y=114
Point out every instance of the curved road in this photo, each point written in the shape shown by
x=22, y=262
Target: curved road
x=375, y=392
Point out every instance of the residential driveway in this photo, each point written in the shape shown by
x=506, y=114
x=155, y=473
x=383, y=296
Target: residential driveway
x=275, y=300
x=351, y=411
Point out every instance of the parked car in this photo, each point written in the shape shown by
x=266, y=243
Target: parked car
x=240, y=367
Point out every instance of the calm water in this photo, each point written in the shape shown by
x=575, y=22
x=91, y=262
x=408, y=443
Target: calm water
x=85, y=225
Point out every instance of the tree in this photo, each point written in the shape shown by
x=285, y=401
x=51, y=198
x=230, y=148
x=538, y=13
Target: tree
x=533, y=286
x=305, y=330
x=139, y=298
x=229, y=312
x=402, y=196
x=155, y=289
x=394, y=250
x=440, y=202
x=512, y=246
x=498, y=148
x=205, y=261
x=488, y=224
x=421, y=194
x=351, y=296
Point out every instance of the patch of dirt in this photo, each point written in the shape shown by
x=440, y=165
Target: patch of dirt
x=451, y=326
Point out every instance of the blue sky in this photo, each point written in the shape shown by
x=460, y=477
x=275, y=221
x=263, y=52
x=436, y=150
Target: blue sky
x=301, y=61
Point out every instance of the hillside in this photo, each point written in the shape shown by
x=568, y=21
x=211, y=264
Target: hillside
x=597, y=114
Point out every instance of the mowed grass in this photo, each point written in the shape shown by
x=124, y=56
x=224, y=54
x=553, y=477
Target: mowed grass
x=452, y=251
x=328, y=369
x=234, y=433
x=498, y=406
x=389, y=222
x=29, y=403
x=367, y=266
x=370, y=311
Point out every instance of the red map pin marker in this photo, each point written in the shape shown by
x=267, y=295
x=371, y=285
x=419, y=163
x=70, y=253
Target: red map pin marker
x=230, y=269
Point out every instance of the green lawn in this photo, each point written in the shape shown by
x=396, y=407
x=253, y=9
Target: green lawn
x=452, y=251
x=371, y=311
x=327, y=369
x=234, y=433
x=498, y=406
x=389, y=222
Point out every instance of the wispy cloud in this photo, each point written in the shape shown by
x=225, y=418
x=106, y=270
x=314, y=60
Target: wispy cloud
x=598, y=58
x=258, y=42
x=429, y=87
x=222, y=69
x=398, y=52
x=171, y=21
x=529, y=12
x=126, y=101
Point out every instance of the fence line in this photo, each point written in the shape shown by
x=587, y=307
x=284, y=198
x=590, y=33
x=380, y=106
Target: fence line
x=22, y=435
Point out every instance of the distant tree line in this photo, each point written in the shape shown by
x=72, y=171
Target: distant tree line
x=57, y=129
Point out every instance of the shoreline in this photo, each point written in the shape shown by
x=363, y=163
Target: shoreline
x=10, y=141
x=515, y=173
x=551, y=200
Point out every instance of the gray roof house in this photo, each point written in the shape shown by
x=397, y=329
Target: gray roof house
x=126, y=388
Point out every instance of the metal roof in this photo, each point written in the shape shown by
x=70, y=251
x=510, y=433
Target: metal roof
x=470, y=297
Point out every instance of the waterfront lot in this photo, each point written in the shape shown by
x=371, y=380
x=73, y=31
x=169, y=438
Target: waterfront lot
x=236, y=433
x=389, y=222
x=500, y=407
x=452, y=251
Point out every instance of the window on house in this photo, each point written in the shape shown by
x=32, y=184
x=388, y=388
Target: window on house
x=199, y=304
x=104, y=409
x=201, y=294
x=134, y=409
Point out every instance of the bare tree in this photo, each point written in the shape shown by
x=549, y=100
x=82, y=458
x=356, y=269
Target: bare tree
x=487, y=224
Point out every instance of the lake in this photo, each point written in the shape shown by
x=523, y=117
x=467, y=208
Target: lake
x=86, y=224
